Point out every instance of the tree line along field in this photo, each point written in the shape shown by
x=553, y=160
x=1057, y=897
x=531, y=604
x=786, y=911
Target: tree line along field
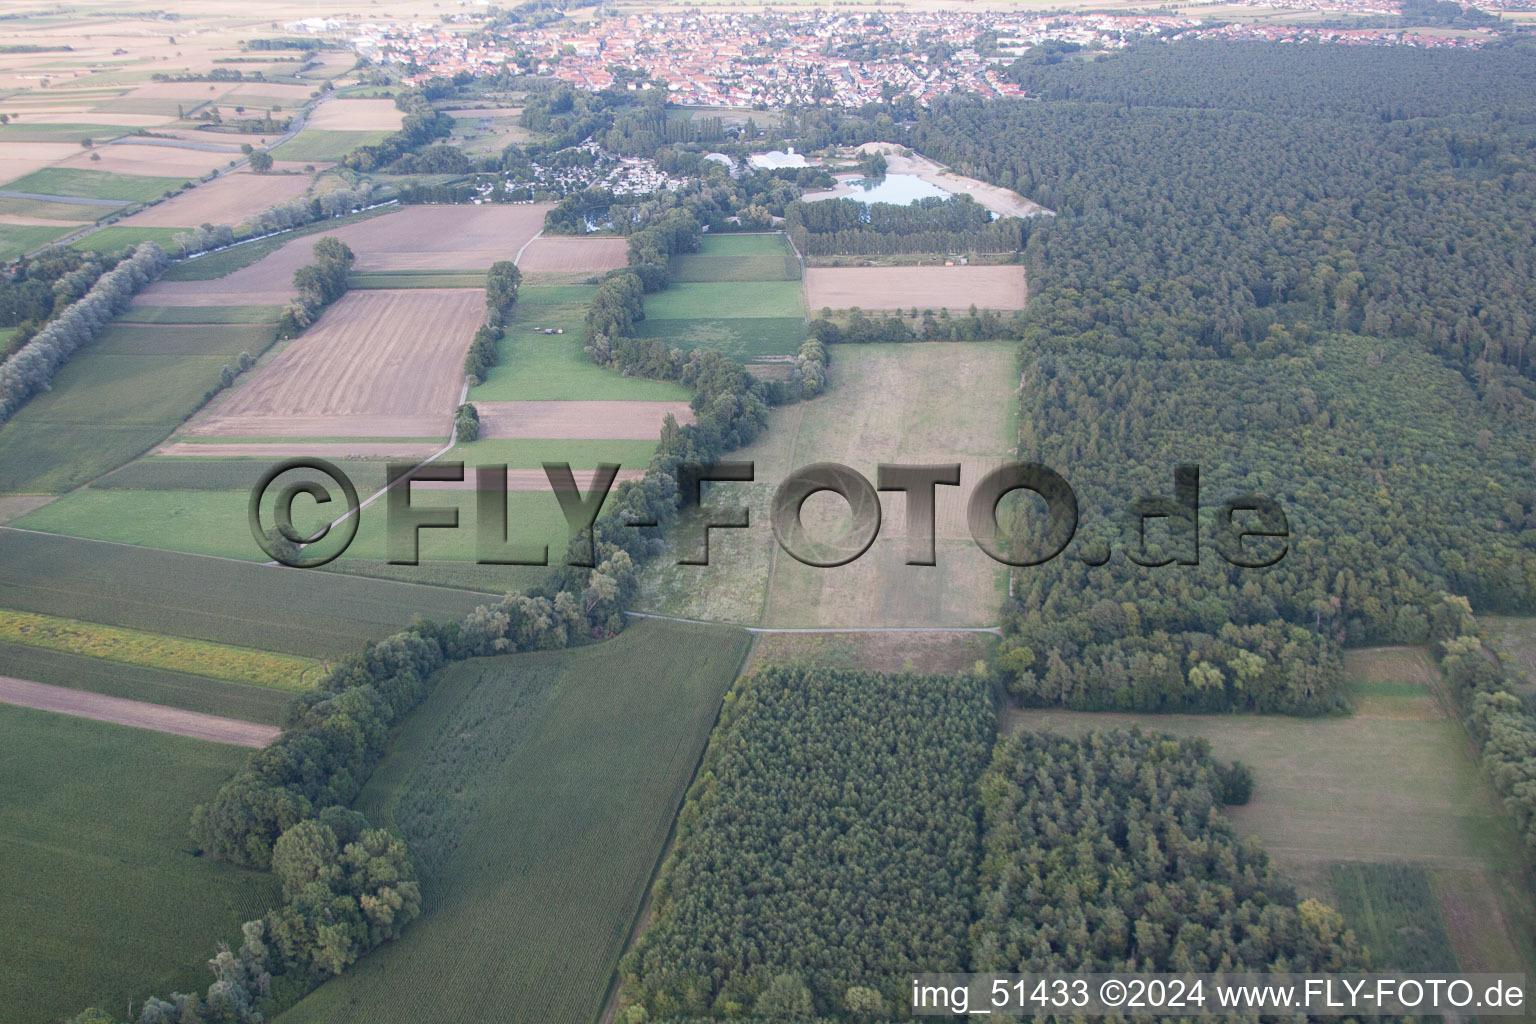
x=81, y=795
x=566, y=770
x=907, y=403
x=740, y=295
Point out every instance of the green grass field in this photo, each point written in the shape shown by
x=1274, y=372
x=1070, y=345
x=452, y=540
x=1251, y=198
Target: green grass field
x=23, y=132
x=914, y=403
x=532, y=453
x=554, y=367
x=738, y=258
x=111, y=239
x=119, y=396
x=137, y=682
x=316, y=144
x=215, y=522
x=741, y=338
x=297, y=611
x=566, y=770
x=20, y=239
x=200, y=315
x=236, y=257
x=55, y=211
x=189, y=473
x=103, y=900
x=726, y=300
x=87, y=184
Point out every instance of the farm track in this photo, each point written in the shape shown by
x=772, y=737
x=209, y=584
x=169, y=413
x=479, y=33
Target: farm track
x=120, y=711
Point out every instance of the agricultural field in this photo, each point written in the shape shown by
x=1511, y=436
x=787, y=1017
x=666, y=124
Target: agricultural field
x=1391, y=785
x=553, y=367
x=160, y=686
x=953, y=288
x=82, y=794
x=150, y=161
x=79, y=212
x=568, y=768
x=912, y=403
x=117, y=398
x=924, y=652
x=119, y=236
x=556, y=255
x=151, y=650
x=410, y=238
x=227, y=199
x=90, y=184
x=243, y=604
x=20, y=239
x=345, y=114
x=313, y=144
x=21, y=158
x=625, y=421
x=739, y=296
x=382, y=363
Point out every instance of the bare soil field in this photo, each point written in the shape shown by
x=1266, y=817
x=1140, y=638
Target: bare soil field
x=619, y=421
x=295, y=449
x=149, y=161
x=379, y=363
x=158, y=717
x=224, y=200
x=348, y=115
x=551, y=254
x=294, y=95
x=22, y=158
x=954, y=288
x=1001, y=201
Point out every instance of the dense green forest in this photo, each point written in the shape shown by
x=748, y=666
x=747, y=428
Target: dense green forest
x=831, y=846
x=1260, y=270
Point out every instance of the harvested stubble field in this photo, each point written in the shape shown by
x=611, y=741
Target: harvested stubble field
x=356, y=115
x=552, y=254
x=246, y=604
x=227, y=199
x=269, y=450
x=566, y=769
x=22, y=158
x=633, y=421
x=377, y=364
x=912, y=403
x=116, y=399
x=408, y=238
x=82, y=794
x=954, y=288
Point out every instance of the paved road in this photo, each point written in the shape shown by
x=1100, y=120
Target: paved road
x=85, y=704
x=71, y=200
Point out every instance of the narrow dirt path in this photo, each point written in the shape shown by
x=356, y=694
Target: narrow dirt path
x=85, y=704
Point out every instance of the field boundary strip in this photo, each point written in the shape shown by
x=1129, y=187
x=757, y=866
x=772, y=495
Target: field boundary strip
x=135, y=713
x=995, y=630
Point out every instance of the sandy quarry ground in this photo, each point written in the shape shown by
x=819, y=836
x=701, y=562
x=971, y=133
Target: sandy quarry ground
x=555, y=254
x=22, y=158
x=149, y=161
x=1001, y=201
x=379, y=363
x=626, y=421
x=954, y=288
x=227, y=199
x=411, y=238
x=84, y=704
x=297, y=449
x=360, y=115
